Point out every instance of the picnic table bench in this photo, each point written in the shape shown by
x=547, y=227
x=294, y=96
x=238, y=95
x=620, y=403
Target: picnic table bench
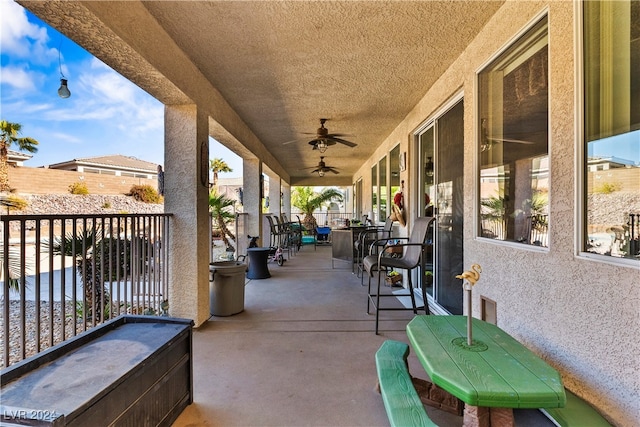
x=401, y=400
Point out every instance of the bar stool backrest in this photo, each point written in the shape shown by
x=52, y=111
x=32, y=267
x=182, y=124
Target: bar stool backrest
x=412, y=253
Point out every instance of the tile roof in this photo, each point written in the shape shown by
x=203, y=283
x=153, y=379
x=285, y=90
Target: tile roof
x=116, y=161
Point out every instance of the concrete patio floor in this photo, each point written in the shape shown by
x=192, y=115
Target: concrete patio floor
x=301, y=354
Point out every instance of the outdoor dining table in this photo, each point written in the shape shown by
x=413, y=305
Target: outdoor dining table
x=495, y=371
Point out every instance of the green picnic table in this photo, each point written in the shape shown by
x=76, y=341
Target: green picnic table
x=496, y=371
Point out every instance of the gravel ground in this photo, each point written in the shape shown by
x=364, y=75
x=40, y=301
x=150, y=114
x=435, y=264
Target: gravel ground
x=15, y=332
x=55, y=204
x=612, y=209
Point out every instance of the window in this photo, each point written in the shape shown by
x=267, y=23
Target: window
x=612, y=128
x=374, y=195
x=383, y=190
x=394, y=171
x=513, y=142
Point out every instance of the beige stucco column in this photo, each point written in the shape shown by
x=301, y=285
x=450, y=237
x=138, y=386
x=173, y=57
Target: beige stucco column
x=286, y=199
x=186, y=197
x=251, y=182
x=274, y=195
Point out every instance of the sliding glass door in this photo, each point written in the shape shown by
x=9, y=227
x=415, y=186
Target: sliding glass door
x=441, y=149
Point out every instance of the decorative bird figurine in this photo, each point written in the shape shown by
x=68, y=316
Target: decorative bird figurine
x=471, y=276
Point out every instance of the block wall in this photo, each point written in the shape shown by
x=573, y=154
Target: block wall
x=27, y=180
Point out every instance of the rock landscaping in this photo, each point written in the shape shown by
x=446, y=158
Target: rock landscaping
x=59, y=204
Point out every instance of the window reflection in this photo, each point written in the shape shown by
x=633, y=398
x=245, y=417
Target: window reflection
x=374, y=194
x=513, y=138
x=382, y=189
x=612, y=128
x=394, y=170
x=613, y=196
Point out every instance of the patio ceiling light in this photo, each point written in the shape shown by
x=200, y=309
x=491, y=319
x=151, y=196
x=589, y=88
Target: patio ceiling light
x=428, y=167
x=321, y=146
x=63, y=91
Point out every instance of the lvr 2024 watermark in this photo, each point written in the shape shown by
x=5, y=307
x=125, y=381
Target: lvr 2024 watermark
x=9, y=413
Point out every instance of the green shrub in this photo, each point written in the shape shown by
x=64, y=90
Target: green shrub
x=13, y=202
x=607, y=188
x=145, y=193
x=79, y=188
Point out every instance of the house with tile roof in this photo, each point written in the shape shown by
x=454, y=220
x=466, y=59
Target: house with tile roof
x=17, y=158
x=117, y=165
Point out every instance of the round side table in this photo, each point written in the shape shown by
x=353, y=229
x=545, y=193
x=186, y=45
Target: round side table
x=258, y=258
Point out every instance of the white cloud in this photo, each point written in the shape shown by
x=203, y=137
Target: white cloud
x=131, y=109
x=22, y=39
x=66, y=137
x=17, y=77
x=26, y=107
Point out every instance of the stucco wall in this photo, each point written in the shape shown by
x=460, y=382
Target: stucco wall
x=581, y=315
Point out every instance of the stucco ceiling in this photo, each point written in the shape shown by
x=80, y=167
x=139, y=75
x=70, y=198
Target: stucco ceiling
x=280, y=66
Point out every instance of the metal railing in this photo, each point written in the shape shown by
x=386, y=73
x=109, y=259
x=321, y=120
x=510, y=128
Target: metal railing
x=63, y=274
x=633, y=223
x=324, y=218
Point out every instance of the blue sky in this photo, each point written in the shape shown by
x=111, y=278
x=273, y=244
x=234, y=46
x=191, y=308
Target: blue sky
x=105, y=115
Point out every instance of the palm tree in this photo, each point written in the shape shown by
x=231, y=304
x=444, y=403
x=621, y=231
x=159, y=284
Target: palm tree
x=88, y=246
x=13, y=255
x=218, y=165
x=219, y=206
x=9, y=135
x=15, y=268
x=307, y=200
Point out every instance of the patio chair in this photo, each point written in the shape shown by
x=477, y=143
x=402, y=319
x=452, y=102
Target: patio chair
x=412, y=252
x=307, y=237
x=363, y=244
x=323, y=235
x=278, y=236
x=288, y=236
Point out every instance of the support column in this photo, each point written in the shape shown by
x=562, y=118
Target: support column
x=285, y=189
x=274, y=195
x=252, y=171
x=186, y=197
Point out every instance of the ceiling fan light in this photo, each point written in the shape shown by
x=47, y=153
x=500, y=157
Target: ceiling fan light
x=429, y=167
x=321, y=173
x=321, y=146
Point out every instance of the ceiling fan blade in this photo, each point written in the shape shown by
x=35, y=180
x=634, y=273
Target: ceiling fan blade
x=290, y=142
x=345, y=142
x=330, y=169
x=517, y=141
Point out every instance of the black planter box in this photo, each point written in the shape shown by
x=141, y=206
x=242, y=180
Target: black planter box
x=132, y=370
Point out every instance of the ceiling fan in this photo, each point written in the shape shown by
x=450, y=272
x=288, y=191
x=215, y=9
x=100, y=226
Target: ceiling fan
x=322, y=168
x=487, y=143
x=324, y=139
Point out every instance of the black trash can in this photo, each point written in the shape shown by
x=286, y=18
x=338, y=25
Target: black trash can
x=226, y=287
